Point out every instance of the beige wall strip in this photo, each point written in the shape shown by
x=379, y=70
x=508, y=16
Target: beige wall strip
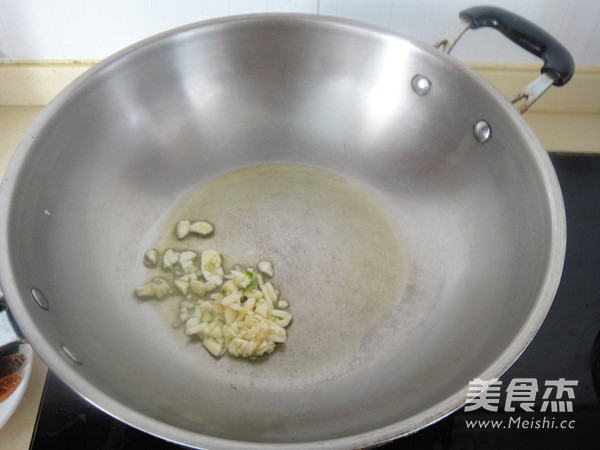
x=565, y=119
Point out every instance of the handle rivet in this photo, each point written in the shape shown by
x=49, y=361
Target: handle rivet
x=70, y=353
x=482, y=131
x=40, y=298
x=420, y=85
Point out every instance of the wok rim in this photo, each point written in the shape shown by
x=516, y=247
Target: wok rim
x=67, y=370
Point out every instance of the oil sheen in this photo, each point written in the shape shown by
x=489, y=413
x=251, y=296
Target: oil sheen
x=338, y=256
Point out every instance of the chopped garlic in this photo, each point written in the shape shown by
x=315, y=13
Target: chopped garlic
x=240, y=322
x=170, y=258
x=186, y=262
x=198, y=287
x=266, y=268
x=269, y=293
x=239, y=277
x=250, y=281
x=151, y=258
x=282, y=318
x=214, y=347
x=211, y=266
x=239, y=318
x=182, y=286
x=282, y=304
x=230, y=299
x=254, y=293
x=202, y=228
x=157, y=288
x=182, y=229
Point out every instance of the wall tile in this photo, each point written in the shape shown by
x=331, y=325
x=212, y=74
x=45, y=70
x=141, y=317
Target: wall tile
x=95, y=29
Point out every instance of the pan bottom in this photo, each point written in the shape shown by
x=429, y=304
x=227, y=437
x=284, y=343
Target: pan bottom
x=338, y=255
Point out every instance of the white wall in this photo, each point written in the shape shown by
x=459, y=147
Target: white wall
x=97, y=28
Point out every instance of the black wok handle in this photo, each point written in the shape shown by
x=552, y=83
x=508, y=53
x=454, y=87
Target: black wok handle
x=558, y=62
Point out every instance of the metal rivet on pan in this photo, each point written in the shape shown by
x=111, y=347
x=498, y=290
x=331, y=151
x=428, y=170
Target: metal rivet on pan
x=482, y=131
x=420, y=84
x=40, y=298
x=69, y=353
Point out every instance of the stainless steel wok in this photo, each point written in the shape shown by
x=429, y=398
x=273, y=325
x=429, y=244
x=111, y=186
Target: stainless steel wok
x=414, y=221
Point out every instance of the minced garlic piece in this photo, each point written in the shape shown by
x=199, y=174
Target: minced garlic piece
x=151, y=258
x=266, y=268
x=211, y=266
x=170, y=258
x=202, y=228
x=157, y=288
x=186, y=262
x=182, y=229
x=282, y=304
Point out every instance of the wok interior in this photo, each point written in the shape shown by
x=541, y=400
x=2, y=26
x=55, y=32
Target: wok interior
x=115, y=159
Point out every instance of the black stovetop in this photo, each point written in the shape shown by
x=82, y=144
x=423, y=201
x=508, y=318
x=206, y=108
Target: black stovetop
x=563, y=348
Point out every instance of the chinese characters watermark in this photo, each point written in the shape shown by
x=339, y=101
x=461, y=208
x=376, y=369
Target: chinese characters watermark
x=521, y=394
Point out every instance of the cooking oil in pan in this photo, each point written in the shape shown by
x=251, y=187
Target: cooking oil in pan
x=338, y=255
